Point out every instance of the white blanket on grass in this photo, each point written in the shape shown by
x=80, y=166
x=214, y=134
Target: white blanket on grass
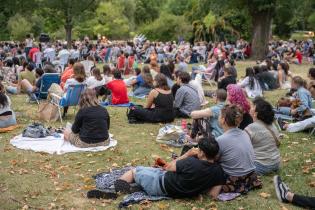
x=54, y=145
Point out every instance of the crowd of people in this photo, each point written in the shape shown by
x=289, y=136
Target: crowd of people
x=243, y=141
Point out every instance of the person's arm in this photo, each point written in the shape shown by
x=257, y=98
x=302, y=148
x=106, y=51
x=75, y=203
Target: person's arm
x=244, y=82
x=108, y=119
x=280, y=78
x=172, y=165
x=77, y=122
x=150, y=99
x=201, y=113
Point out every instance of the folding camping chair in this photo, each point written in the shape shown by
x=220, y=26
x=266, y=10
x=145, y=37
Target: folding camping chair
x=47, y=80
x=71, y=98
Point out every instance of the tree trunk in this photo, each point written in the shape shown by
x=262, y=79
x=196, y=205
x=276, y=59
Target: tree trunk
x=68, y=28
x=261, y=33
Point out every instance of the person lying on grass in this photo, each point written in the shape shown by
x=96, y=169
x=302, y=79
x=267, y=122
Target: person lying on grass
x=189, y=175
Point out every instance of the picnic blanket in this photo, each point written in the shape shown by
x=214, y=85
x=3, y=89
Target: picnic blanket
x=105, y=182
x=8, y=129
x=117, y=105
x=54, y=145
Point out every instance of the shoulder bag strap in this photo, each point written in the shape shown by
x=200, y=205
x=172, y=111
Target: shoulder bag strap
x=273, y=135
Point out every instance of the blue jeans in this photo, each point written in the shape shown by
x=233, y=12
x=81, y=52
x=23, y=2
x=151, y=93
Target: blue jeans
x=283, y=113
x=149, y=179
x=266, y=169
x=141, y=91
x=8, y=121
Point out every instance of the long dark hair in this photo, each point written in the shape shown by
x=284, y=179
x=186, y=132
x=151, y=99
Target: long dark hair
x=161, y=82
x=251, y=77
x=3, y=98
x=164, y=69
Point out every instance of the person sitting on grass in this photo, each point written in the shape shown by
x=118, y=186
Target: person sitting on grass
x=7, y=116
x=236, y=155
x=24, y=78
x=251, y=84
x=143, y=83
x=305, y=102
x=118, y=88
x=264, y=137
x=91, y=124
x=227, y=78
x=212, y=113
x=186, y=98
x=159, y=107
x=285, y=195
x=96, y=79
x=189, y=175
x=235, y=95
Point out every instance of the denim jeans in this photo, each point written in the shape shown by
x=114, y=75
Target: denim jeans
x=283, y=113
x=301, y=125
x=149, y=179
x=266, y=169
x=8, y=121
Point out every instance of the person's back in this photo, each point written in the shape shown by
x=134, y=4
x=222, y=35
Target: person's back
x=94, y=124
x=268, y=79
x=236, y=153
x=187, y=99
x=28, y=75
x=118, y=89
x=192, y=176
x=164, y=101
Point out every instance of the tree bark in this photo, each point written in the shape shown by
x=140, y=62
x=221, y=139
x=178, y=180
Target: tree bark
x=261, y=33
x=68, y=27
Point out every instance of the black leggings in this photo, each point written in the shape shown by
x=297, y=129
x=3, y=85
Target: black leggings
x=304, y=201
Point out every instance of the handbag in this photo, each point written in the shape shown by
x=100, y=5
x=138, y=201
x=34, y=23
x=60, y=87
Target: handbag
x=48, y=112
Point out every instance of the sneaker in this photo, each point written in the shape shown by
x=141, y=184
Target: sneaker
x=281, y=123
x=281, y=189
x=100, y=194
x=124, y=187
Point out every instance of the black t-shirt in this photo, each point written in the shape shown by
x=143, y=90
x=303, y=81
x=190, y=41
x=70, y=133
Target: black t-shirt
x=247, y=119
x=226, y=81
x=192, y=177
x=92, y=124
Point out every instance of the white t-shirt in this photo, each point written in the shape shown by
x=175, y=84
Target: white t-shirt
x=29, y=42
x=92, y=82
x=72, y=81
x=251, y=93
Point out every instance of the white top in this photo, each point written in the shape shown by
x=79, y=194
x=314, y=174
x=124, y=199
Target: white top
x=72, y=81
x=251, y=93
x=92, y=82
x=196, y=85
x=29, y=42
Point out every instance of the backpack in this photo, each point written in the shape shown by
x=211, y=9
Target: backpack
x=36, y=130
x=131, y=115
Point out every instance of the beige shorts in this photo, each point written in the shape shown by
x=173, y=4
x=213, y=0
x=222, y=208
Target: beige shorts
x=75, y=140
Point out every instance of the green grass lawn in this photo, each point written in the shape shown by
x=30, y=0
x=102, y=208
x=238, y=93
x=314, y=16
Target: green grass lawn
x=43, y=181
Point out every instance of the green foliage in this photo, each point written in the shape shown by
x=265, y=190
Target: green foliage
x=311, y=21
x=19, y=27
x=177, y=26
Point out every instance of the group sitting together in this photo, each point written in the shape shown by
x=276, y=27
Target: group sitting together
x=242, y=141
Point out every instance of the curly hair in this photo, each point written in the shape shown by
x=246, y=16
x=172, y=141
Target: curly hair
x=264, y=110
x=236, y=96
x=232, y=115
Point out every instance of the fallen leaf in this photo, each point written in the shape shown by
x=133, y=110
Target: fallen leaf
x=283, y=207
x=312, y=184
x=264, y=195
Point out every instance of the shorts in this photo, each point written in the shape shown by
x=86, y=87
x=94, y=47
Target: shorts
x=11, y=89
x=75, y=140
x=149, y=179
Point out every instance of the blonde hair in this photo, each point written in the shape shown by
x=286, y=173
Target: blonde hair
x=88, y=98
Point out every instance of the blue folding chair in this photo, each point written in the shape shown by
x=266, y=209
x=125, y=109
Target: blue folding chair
x=71, y=98
x=47, y=80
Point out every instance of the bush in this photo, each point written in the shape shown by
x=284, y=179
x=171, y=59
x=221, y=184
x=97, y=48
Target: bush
x=19, y=27
x=167, y=27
